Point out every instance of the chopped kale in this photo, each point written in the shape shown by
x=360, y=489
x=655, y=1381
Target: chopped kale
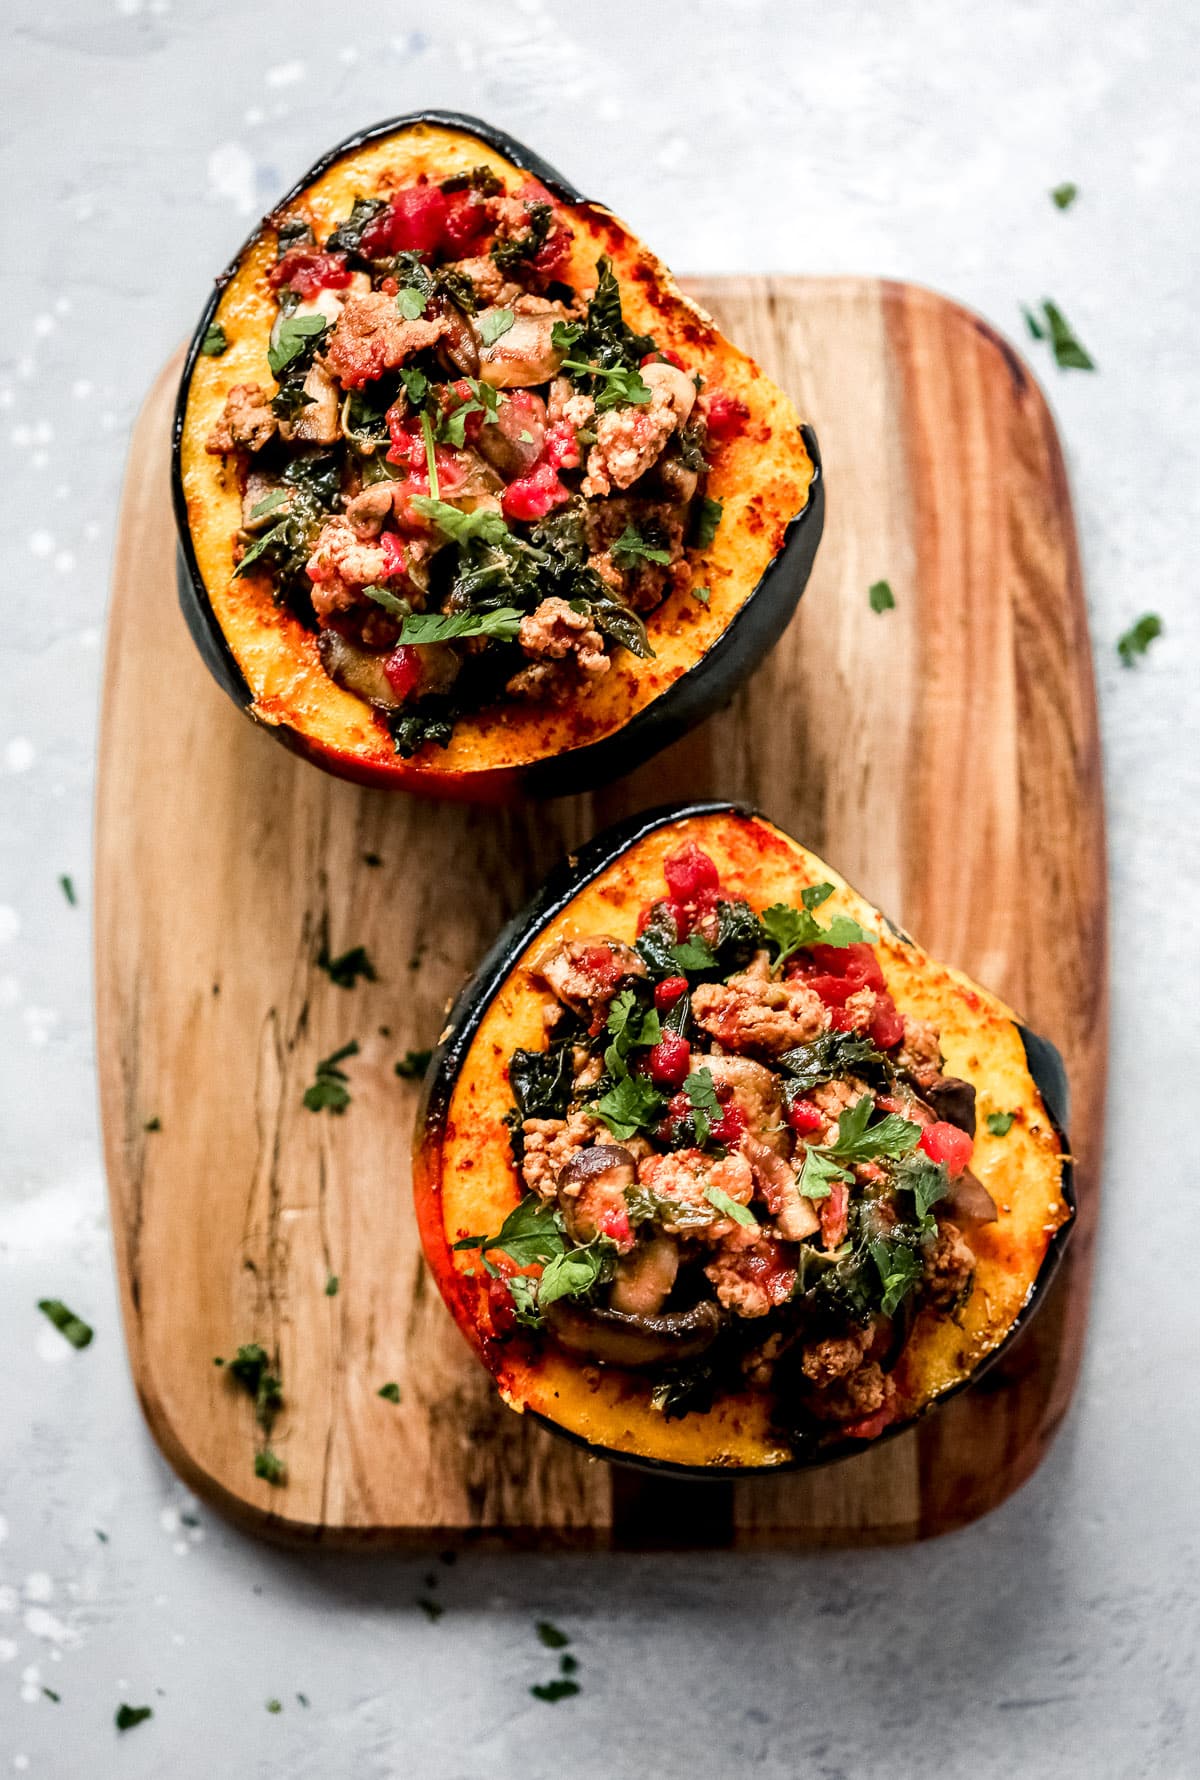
x=347, y=237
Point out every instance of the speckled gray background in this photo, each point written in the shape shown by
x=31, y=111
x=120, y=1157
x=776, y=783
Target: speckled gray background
x=918, y=138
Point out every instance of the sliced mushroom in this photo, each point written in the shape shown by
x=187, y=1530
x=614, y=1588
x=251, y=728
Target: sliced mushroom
x=592, y=1187
x=644, y=1278
x=618, y=1339
x=319, y=422
x=953, y=1100
x=523, y=356
x=513, y=442
x=362, y=673
x=675, y=385
x=969, y=1201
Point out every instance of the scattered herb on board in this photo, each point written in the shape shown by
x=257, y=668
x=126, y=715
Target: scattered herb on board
x=77, y=1332
x=1000, y=1124
x=51, y=1695
x=126, y=1717
x=274, y=1705
x=390, y=1391
x=550, y=1635
x=154, y=1124
x=703, y=594
x=347, y=967
x=553, y=1691
x=270, y=1467
x=303, y=1698
x=1064, y=195
x=432, y=1610
x=413, y=1064
x=372, y=859
x=67, y=887
x=328, y=1092
x=1052, y=325
x=881, y=596
x=331, y=1286
x=1137, y=639
x=215, y=340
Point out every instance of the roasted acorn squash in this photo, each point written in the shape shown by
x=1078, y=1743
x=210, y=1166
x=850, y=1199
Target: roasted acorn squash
x=755, y=569
x=466, y=1180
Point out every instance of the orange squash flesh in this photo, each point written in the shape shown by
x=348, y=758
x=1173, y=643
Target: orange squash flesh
x=465, y=1181
x=269, y=661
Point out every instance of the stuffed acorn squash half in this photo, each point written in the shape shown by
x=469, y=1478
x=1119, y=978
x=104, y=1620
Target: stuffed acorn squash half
x=718, y=1168
x=471, y=498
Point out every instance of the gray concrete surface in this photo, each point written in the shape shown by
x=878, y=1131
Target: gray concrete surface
x=918, y=138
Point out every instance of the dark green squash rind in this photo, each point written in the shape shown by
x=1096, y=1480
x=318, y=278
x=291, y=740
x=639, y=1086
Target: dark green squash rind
x=757, y=626
x=560, y=888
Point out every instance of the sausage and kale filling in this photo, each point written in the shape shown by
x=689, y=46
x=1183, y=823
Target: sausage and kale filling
x=744, y=1167
x=471, y=479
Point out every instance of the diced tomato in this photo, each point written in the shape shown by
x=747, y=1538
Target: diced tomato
x=669, y=1061
x=395, y=561
x=465, y=225
x=840, y=1020
x=403, y=670
x=871, y=1425
x=500, y=1307
x=663, y=355
x=553, y=256
x=727, y=416
x=668, y=992
x=534, y=495
x=834, y=1213
x=804, y=1117
x=946, y=1143
x=689, y=871
x=307, y=270
x=414, y=222
x=615, y=1224
x=730, y=1126
x=887, y=1026
x=768, y=1266
x=600, y=963
x=835, y=973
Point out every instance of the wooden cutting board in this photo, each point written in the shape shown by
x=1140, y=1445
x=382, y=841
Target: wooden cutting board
x=943, y=755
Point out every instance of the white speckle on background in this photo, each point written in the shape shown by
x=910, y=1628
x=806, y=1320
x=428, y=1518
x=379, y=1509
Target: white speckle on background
x=20, y=1763
x=168, y=1519
x=51, y=1346
x=10, y=991
x=8, y=1649
x=89, y=638
x=22, y=435
x=39, y=1586
x=43, y=325
x=62, y=305
x=41, y=1623
x=64, y=562
x=41, y=543
x=91, y=531
x=284, y=74
x=127, y=8
x=19, y=754
x=39, y=1023
x=82, y=388
x=10, y=926
x=3, y=1529
x=8, y=1598
x=254, y=115
x=231, y=175
x=39, y=460
x=348, y=54
x=31, y=1691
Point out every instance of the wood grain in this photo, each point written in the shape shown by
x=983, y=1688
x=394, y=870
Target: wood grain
x=944, y=755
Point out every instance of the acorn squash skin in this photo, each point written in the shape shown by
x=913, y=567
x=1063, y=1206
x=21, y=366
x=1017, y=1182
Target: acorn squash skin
x=616, y=1423
x=703, y=656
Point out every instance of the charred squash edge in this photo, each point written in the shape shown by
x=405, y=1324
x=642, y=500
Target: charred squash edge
x=560, y=888
x=758, y=624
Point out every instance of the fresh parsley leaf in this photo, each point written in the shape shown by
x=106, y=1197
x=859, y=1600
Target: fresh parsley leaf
x=629, y=1026
x=881, y=596
x=631, y=1103
x=631, y=545
x=215, y=341
x=328, y=1092
x=436, y=627
x=741, y=1214
x=705, y=520
x=462, y=527
x=553, y=1691
x=390, y=1392
x=127, y=1716
x=532, y=1231
x=51, y=1695
x=270, y=1467
x=523, y=1293
x=347, y=967
x=296, y=334
x=790, y=929
x=572, y=1274
x=1053, y=325
x=413, y=1064
x=67, y=886
x=251, y=1369
x=399, y=608
x=1000, y=1123
x=706, y=1108
x=550, y=1636
x=703, y=594
x=892, y=1137
x=899, y=1269
x=331, y=1286
x=416, y=384
x=1064, y=195
x=619, y=384
x=694, y=953
x=73, y=1327
x=493, y=323
x=818, y=1172
x=1036, y=330
x=412, y=304
x=1138, y=638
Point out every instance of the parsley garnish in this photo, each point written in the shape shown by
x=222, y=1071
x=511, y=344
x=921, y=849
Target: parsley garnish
x=67, y=887
x=818, y=1172
x=899, y=1269
x=1001, y=1123
x=741, y=1214
x=390, y=1392
x=251, y=1369
x=127, y=1716
x=328, y=1092
x=790, y=929
x=73, y=1327
x=437, y=627
x=1138, y=638
x=399, y=608
x=892, y=1138
x=531, y=1232
x=706, y=519
x=571, y=1274
x=694, y=953
x=492, y=324
x=214, y=342
x=881, y=596
x=703, y=594
x=461, y=527
x=346, y=969
x=631, y=545
x=154, y=1124
x=632, y=1102
x=621, y=384
x=926, y=1180
x=413, y=1064
x=1053, y=325
x=296, y=334
x=702, y=1097
x=412, y=304
x=270, y=1467
x=1064, y=195
x=416, y=384
x=432, y=1610
x=269, y=502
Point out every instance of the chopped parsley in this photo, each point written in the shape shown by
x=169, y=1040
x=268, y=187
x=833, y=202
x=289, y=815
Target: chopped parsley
x=126, y=1717
x=390, y=1392
x=459, y=526
x=881, y=596
x=328, y=1092
x=1052, y=325
x=492, y=324
x=631, y=545
x=694, y=953
x=706, y=1108
x=899, y=1269
x=154, y=1124
x=741, y=1214
x=1000, y=1123
x=1137, y=639
x=574, y=1273
x=789, y=929
x=270, y=1467
x=1064, y=195
x=73, y=1327
x=67, y=887
x=274, y=1706
x=437, y=627
x=703, y=594
x=251, y=1368
x=432, y=1610
x=347, y=967
x=412, y=304
x=215, y=341
x=553, y=1691
x=631, y=1103
x=297, y=336
x=413, y=1064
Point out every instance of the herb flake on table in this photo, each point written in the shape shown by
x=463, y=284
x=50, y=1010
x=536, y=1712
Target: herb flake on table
x=432, y=1610
x=154, y=1124
x=347, y=967
x=881, y=596
x=328, y=1091
x=67, y=887
x=390, y=1392
x=1064, y=195
x=274, y=1705
x=270, y=1467
x=1052, y=325
x=73, y=1327
x=331, y=1286
x=126, y=1717
x=550, y=1635
x=1134, y=642
x=553, y=1691
x=413, y=1064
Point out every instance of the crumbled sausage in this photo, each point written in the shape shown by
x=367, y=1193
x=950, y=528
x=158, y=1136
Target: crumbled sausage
x=920, y=1055
x=684, y=1177
x=628, y=441
x=949, y=1270
x=748, y=1014
x=372, y=337
x=549, y=1144
x=369, y=510
x=748, y=1274
x=823, y=1362
x=543, y=682
x=555, y=632
x=569, y=404
x=339, y=568
x=247, y=423
x=586, y=974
